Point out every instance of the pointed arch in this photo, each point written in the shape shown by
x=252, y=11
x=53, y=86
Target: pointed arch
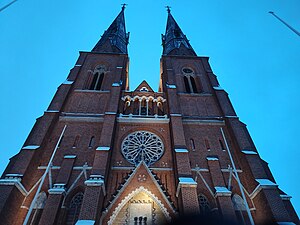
x=204, y=204
x=74, y=209
x=131, y=195
x=186, y=84
x=38, y=208
x=194, y=87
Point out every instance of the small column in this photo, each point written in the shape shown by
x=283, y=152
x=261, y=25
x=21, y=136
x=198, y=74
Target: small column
x=147, y=104
x=140, y=106
x=92, y=199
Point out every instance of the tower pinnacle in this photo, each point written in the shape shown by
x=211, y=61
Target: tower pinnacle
x=115, y=38
x=174, y=41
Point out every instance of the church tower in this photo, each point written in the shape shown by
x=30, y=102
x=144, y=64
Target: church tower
x=102, y=154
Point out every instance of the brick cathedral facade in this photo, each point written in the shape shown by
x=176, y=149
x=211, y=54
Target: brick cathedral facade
x=102, y=154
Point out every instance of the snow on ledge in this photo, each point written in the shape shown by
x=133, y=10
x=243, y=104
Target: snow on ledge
x=212, y=158
x=187, y=180
x=249, y=152
x=85, y=222
x=68, y=82
x=31, y=147
x=172, y=86
x=181, y=150
x=266, y=183
x=218, y=88
x=222, y=191
x=103, y=148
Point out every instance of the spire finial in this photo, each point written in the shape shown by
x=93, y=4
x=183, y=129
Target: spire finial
x=123, y=6
x=168, y=9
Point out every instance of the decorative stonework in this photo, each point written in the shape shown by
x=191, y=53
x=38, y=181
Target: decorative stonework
x=142, y=146
x=142, y=178
x=130, y=196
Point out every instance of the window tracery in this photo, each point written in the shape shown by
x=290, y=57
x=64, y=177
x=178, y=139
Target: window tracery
x=142, y=146
x=74, y=209
x=204, y=204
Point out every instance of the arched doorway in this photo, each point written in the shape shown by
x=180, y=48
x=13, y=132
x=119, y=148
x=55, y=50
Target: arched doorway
x=139, y=208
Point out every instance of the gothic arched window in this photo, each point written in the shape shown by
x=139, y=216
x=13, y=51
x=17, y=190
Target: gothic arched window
x=203, y=204
x=97, y=81
x=38, y=208
x=74, y=209
x=240, y=209
x=194, y=88
x=186, y=84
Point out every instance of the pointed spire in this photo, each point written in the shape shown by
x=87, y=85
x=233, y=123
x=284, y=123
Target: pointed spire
x=115, y=38
x=174, y=41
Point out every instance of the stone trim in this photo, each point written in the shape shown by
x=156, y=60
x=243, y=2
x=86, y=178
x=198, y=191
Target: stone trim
x=262, y=184
x=14, y=180
x=129, y=196
x=222, y=191
x=96, y=181
x=156, y=120
x=57, y=189
x=285, y=197
x=185, y=182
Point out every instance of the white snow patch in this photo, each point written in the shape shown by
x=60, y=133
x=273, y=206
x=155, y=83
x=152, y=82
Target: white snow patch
x=265, y=182
x=85, y=222
x=186, y=180
x=31, y=147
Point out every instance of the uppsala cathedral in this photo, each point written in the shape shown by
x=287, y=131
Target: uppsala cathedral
x=104, y=154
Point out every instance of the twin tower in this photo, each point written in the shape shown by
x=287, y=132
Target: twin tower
x=102, y=154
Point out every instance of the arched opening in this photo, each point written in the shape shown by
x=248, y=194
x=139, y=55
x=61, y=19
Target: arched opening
x=97, y=81
x=194, y=87
x=140, y=207
x=74, y=209
x=203, y=204
x=240, y=210
x=186, y=84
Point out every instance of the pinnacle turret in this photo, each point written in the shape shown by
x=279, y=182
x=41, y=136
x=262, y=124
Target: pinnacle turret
x=115, y=38
x=174, y=41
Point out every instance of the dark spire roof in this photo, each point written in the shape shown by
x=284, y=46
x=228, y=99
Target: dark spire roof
x=174, y=41
x=115, y=38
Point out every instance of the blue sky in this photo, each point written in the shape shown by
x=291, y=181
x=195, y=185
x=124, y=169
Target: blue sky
x=255, y=57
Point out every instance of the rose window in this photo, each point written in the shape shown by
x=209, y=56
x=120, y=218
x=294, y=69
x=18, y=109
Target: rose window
x=142, y=146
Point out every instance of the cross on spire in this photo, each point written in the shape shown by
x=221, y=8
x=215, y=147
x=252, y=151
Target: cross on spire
x=168, y=8
x=123, y=6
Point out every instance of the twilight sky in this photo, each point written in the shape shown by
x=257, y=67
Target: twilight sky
x=255, y=57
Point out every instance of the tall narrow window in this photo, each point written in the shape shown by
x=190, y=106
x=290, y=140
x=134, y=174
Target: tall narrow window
x=222, y=145
x=192, y=144
x=76, y=141
x=194, y=88
x=186, y=84
x=207, y=145
x=97, y=81
x=92, y=142
x=204, y=204
x=74, y=209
